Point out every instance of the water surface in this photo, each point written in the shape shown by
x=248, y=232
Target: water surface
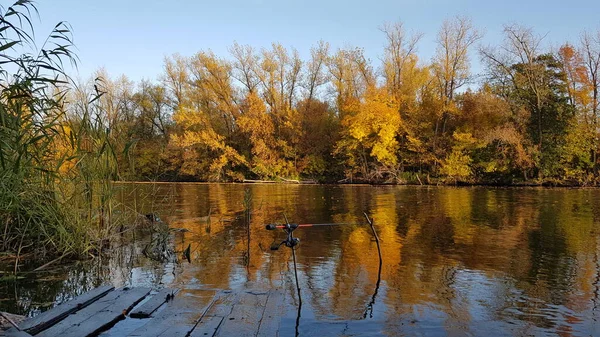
x=456, y=261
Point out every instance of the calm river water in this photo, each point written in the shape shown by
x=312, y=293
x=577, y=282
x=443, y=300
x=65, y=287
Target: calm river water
x=456, y=261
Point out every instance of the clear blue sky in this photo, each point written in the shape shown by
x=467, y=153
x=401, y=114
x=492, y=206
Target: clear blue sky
x=132, y=36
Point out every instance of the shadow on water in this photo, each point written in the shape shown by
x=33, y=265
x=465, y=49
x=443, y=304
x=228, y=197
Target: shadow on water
x=455, y=260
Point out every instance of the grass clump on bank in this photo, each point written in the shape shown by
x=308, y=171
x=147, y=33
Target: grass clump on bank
x=56, y=159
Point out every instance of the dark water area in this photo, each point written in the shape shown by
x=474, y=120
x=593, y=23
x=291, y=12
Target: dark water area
x=456, y=261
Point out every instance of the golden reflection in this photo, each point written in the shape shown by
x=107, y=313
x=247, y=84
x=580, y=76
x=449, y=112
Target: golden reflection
x=454, y=259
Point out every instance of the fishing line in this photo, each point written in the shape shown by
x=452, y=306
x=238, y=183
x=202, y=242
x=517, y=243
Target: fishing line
x=292, y=245
x=292, y=242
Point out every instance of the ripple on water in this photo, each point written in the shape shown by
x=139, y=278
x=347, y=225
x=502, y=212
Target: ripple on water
x=463, y=261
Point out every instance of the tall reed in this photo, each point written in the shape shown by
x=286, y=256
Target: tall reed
x=57, y=161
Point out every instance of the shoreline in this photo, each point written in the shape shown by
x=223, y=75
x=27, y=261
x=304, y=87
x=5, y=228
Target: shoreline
x=273, y=182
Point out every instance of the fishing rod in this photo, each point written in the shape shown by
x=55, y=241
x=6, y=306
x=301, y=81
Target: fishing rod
x=292, y=242
x=289, y=228
x=297, y=225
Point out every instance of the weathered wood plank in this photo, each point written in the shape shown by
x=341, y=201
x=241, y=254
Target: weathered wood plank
x=207, y=327
x=81, y=315
x=245, y=316
x=310, y=327
x=184, y=323
x=12, y=332
x=146, y=309
x=109, y=315
x=8, y=320
x=48, y=318
x=180, y=315
x=222, y=304
x=269, y=324
x=98, y=315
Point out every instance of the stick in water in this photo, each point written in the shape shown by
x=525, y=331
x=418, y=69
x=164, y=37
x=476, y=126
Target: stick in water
x=370, y=305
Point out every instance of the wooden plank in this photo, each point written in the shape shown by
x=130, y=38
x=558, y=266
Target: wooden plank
x=207, y=327
x=181, y=325
x=109, y=315
x=318, y=328
x=222, y=304
x=48, y=318
x=146, y=309
x=371, y=328
x=245, y=317
x=179, y=317
x=8, y=320
x=269, y=324
x=311, y=327
x=81, y=315
x=12, y=332
x=111, y=305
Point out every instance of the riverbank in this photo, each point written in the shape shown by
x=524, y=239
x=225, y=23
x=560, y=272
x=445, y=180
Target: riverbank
x=438, y=182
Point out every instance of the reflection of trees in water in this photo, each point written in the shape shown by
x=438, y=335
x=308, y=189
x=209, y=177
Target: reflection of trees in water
x=428, y=235
x=41, y=291
x=472, y=229
x=461, y=255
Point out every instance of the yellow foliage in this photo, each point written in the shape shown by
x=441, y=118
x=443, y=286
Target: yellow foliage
x=198, y=134
x=258, y=125
x=373, y=127
x=456, y=166
x=65, y=151
x=464, y=140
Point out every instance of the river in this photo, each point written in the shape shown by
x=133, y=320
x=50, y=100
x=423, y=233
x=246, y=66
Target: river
x=456, y=261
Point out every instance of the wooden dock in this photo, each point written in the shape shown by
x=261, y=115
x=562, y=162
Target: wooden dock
x=138, y=311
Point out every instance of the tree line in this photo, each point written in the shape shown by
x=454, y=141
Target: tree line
x=529, y=117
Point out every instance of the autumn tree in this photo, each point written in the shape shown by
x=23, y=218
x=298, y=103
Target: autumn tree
x=320, y=132
x=533, y=81
x=245, y=64
x=499, y=153
x=576, y=80
x=279, y=77
x=175, y=77
x=590, y=52
x=212, y=91
x=153, y=113
x=205, y=116
x=579, y=151
x=150, y=131
x=268, y=113
x=399, y=57
x=451, y=66
x=409, y=83
x=351, y=76
x=315, y=75
x=206, y=153
x=369, y=136
x=255, y=122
